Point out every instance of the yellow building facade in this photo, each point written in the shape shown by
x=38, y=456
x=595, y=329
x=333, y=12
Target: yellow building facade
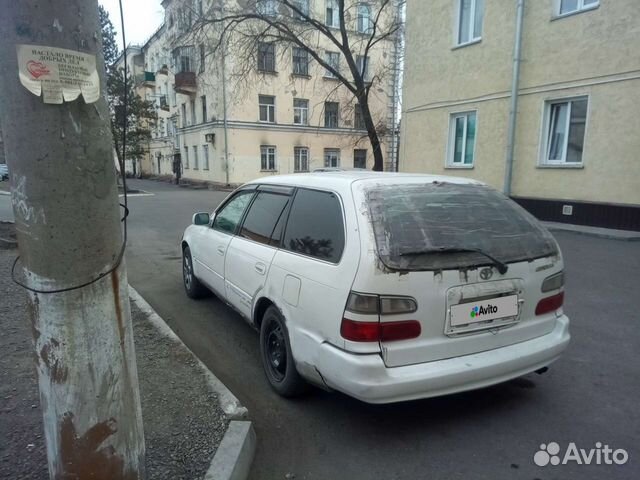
x=577, y=128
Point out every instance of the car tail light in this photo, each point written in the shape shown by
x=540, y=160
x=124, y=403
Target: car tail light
x=371, y=307
x=550, y=304
x=554, y=282
x=405, y=330
x=379, y=332
x=360, y=331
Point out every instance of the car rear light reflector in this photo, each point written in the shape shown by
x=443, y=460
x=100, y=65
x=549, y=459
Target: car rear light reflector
x=550, y=304
x=394, y=331
x=397, y=305
x=360, y=331
x=362, y=303
x=366, y=303
x=554, y=282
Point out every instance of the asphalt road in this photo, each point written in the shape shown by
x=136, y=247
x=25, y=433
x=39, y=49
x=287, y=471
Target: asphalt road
x=590, y=395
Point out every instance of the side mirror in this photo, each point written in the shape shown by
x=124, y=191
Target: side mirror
x=201, y=218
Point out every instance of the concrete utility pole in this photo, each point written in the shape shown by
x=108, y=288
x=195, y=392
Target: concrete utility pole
x=67, y=215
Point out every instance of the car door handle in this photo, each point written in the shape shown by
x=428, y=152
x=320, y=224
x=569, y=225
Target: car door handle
x=221, y=250
x=261, y=268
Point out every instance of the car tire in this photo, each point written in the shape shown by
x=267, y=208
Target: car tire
x=275, y=352
x=192, y=285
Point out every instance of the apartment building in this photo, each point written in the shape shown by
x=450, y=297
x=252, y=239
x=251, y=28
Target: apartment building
x=572, y=113
x=224, y=123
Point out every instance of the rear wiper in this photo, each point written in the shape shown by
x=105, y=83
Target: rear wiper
x=502, y=267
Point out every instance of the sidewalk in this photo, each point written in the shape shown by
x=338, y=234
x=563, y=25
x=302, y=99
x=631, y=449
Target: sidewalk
x=183, y=419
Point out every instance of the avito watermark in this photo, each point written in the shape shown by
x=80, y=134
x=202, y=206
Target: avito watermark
x=550, y=454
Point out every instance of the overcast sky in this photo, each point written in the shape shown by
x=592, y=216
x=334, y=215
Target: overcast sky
x=141, y=18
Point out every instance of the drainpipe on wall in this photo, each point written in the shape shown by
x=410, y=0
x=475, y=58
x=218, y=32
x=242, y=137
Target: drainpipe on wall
x=224, y=107
x=513, y=110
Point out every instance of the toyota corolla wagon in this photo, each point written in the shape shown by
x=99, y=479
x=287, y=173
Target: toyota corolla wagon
x=387, y=287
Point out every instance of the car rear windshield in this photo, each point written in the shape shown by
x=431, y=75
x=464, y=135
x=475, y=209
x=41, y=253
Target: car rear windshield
x=412, y=218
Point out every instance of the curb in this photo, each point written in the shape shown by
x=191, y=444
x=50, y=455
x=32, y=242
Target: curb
x=234, y=456
x=597, y=232
x=129, y=195
x=231, y=406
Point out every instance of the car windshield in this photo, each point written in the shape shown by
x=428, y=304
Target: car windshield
x=437, y=226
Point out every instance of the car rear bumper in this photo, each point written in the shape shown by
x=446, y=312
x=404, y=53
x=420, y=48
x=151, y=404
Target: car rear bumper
x=367, y=378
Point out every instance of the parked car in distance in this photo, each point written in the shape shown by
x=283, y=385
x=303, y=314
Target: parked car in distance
x=4, y=171
x=384, y=286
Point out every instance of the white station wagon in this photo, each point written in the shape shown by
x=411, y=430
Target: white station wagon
x=387, y=287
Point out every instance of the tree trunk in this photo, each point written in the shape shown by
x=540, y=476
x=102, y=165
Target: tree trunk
x=372, y=133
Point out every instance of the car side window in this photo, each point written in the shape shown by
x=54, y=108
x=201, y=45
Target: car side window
x=263, y=217
x=228, y=218
x=315, y=226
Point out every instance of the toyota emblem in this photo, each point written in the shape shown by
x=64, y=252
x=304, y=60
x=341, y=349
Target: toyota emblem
x=486, y=273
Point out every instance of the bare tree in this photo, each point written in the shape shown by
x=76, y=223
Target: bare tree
x=352, y=28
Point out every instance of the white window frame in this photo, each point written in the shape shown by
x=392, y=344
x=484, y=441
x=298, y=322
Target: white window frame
x=366, y=156
x=451, y=147
x=300, y=156
x=205, y=157
x=293, y=61
x=266, y=50
x=364, y=22
x=185, y=164
x=328, y=55
x=332, y=21
x=329, y=155
x=337, y=125
x=265, y=152
x=302, y=112
x=545, y=145
x=270, y=109
x=582, y=6
x=472, y=22
x=195, y=157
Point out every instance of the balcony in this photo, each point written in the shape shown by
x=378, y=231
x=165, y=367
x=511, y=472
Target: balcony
x=146, y=79
x=185, y=83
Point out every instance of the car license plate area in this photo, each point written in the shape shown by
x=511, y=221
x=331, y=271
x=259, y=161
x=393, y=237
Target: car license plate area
x=485, y=313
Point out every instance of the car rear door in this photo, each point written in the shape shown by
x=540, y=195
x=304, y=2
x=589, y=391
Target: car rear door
x=251, y=251
x=463, y=303
x=211, y=245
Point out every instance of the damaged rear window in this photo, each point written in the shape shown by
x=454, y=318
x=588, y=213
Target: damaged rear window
x=410, y=218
